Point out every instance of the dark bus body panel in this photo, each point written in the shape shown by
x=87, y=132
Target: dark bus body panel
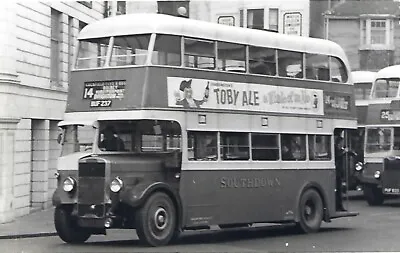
x=225, y=197
x=146, y=88
x=204, y=196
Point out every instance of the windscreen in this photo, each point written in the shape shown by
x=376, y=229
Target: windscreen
x=92, y=53
x=130, y=50
x=77, y=138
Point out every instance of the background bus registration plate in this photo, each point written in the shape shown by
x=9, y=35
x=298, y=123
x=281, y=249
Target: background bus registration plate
x=391, y=190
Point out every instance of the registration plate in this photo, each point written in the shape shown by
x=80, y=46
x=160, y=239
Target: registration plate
x=391, y=190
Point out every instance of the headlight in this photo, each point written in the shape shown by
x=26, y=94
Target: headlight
x=69, y=184
x=377, y=174
x=116, y=185
x=359, y=166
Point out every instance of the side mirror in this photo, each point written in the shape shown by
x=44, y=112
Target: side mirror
x=59, y=138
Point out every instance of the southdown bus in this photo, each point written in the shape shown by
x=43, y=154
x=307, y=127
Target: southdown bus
x=381, y=173
x=362, y=81
x=176, y=124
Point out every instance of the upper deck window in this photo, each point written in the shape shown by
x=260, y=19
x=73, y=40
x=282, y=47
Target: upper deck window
x=262, y=61
x=167, y=50
x=338, y=70
x=92, y=53
x=317, y=67
x=130, y=50
x=386, y=88
x=199, y=54
x=231, y=57
x=290, y=64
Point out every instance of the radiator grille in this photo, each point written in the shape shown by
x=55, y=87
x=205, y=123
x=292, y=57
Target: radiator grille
x=91, y=189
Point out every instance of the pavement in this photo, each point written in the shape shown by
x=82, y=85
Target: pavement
x=37, y=224
x=40, y=223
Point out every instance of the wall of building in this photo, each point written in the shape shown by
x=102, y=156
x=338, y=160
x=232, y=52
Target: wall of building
x=33, y=104
x=212, y=10
x=346, y=32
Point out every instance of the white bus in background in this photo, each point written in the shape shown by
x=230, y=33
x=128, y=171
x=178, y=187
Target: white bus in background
x=362, y=81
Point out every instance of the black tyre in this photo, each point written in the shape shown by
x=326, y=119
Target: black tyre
x=311, y=211
x=67, y=227
x=373, y=195
x=156, y=221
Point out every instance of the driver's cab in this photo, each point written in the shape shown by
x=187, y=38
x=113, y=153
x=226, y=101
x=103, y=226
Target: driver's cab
x=160, y=139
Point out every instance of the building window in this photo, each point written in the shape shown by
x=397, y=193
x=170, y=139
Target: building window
x=255, y=18
x=174, y=8
x=376, y=32
x=55, y=48
x=273, y=19
x=241, y=17
x=86, y=3
x=121, y=7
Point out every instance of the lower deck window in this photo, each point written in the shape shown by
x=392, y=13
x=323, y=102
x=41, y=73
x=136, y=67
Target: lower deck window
x=319, y=147
x=293, y=147
x=265, y=147
x=202, y=146
x=234, y=146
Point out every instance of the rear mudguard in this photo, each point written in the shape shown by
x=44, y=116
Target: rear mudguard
x=319, y=189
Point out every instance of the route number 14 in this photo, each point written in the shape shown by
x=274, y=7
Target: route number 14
x=88, y=93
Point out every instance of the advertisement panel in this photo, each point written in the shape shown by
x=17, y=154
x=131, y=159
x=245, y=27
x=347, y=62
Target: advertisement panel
x=212, y=94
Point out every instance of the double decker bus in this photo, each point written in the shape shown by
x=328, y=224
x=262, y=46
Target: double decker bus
x=362, y=81
x=380, y=175
x=176, y=124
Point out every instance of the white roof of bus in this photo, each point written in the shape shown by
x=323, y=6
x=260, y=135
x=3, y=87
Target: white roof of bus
x=389, y=72
x=363, y=76
x=145, y=23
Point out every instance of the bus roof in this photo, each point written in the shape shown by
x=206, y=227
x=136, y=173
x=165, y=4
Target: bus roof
x=389, y=72
x=363, y=76
x=145, y=23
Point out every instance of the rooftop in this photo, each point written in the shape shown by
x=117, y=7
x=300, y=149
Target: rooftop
x=352, y=8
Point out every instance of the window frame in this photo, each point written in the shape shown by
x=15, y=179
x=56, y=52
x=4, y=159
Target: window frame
x=366, y=30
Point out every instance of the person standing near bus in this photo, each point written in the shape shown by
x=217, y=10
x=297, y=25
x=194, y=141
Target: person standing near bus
x=340, y=164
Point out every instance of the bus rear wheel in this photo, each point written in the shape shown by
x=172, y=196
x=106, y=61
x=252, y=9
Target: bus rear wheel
x=310, y=211
x=156, y=221
x=373, y=195
x=67, y=227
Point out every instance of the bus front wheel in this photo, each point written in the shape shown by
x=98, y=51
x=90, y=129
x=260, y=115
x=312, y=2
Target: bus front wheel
x=67, y=227
x=156, y=221
x=373, y=195
x=310, y=211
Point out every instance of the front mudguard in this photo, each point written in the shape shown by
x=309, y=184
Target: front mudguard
x=60, y=197
x=135, y=196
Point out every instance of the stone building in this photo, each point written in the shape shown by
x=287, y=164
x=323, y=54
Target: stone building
x=368, y=30
x=36, y=52
x=283, y=16
x=36, y=47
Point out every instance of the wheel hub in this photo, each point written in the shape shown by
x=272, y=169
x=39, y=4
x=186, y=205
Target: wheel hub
x=160, y=218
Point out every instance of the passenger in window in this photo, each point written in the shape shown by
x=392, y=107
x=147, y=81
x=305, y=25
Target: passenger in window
x=296, y=148
x=111, y=141
x=262, y=67
x=286, y=153
x=188, y=101
x=340, y=164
